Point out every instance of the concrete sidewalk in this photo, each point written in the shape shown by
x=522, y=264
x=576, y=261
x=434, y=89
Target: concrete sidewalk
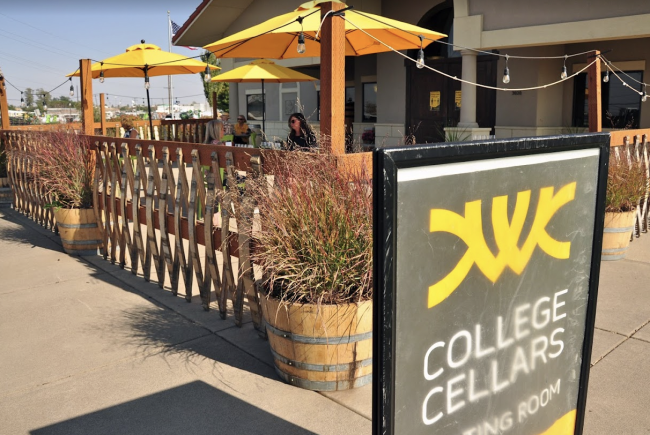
x=88, y=348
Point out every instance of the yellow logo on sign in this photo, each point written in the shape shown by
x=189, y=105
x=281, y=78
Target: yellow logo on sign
x=470, y=230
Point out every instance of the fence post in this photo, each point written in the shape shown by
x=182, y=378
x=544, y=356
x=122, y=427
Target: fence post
x=595, y=109
x=332, y=73
x=102, y=111
x=86, y=80
x=4, y=107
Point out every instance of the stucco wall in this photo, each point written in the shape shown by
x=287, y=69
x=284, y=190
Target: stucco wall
x=504, y=14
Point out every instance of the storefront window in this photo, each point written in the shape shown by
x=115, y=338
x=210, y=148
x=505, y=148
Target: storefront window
x=254, y=107
x=369, y=102
x=621, y=107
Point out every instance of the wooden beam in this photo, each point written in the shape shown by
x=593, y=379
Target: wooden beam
x=102, y=111
x=332, y=80
x=4, y=105
x=86, y=81
x=595, y=108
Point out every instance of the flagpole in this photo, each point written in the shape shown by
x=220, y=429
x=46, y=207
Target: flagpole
x=170, y=91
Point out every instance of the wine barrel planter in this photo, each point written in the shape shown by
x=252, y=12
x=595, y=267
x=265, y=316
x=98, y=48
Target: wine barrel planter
x=617, y=235
x=78, y=230
x=320, y=347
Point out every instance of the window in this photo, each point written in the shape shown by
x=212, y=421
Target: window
x=369, y=102
x=254, y=107
x=621, y=107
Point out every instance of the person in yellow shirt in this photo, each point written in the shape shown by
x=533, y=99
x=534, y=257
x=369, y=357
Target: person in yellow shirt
x=242, y=131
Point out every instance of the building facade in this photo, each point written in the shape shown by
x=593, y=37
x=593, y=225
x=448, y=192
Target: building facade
x=388, y=93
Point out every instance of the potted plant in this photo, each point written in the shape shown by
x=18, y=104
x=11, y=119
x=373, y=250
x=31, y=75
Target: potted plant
x=368, y=136
x=626, y=186
x=314, y=247
x=65, y=168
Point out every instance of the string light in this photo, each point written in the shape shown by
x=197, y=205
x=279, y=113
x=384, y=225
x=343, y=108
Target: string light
x=101, y=73
x=645, y=95
x=606, y=78
x=22, y=100
x=301, y=39
x=207, y=76
x=44, y=104
x=506, y=73
x=564, y=74
x=71, y=88
x=420, y=62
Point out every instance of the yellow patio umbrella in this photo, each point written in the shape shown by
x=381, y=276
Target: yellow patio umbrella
x=278, y=38
x=263, y=70
x=145, y=60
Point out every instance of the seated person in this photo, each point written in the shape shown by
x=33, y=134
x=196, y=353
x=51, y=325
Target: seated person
x=129, y=130
x=214, y=132
x=242, y=131
x=301, y=136
x=227, y=126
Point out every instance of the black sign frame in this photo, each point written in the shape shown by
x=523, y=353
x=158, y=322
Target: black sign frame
x=386, y=163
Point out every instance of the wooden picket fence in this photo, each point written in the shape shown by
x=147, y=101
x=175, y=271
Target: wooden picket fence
x=634, y=146
x=160, y=204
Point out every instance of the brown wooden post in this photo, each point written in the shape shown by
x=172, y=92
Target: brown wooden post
x=215, y=111
x=4, y=105
x=86, y=81
x=102, y=111
x=595, y=108
x=332, y=79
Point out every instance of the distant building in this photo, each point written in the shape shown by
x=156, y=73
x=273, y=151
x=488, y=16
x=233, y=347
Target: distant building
x=388, y=93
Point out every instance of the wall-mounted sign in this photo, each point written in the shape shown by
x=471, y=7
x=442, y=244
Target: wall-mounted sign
x=486, y=263
x=434, y=101
x=457, y=98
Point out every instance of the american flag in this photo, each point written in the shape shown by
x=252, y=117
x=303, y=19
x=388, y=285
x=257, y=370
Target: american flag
x=175, y=29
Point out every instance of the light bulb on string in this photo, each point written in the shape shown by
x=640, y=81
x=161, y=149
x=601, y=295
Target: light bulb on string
x=301, y=44
x=301, y=39
x=645, y=95
x=564, y=74
x=506, y=72
x=44, y=104
x=207, y=77
x=22, y=100
x=606, y=78
x=101, y=74
x=420, y=60
x=71, y=88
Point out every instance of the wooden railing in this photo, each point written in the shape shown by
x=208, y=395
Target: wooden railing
x=160, y=203
x=633, y=146
x=183, y=130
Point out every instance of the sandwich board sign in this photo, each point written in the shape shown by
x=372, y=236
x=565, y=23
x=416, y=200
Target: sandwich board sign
x=487, y=258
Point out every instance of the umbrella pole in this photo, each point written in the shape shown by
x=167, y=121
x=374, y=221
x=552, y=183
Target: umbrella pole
x=263, y=112
x=151, y=135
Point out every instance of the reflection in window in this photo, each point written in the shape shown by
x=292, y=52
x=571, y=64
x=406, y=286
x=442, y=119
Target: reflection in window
x=621, y=107
x=254, y=107
x=369, y=102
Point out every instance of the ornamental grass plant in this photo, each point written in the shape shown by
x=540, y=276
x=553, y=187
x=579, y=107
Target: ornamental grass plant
x=314, y=241
x=627, y=184
x=65, y=167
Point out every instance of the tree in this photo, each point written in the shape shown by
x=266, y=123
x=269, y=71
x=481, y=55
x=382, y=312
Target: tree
x=29, y=99
x=11, y=107
x=222, y=89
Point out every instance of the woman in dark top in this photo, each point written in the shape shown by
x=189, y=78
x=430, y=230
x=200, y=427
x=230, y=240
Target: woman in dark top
x=301, y=136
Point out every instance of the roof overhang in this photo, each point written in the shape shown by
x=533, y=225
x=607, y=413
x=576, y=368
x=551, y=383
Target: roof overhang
x=209, y=22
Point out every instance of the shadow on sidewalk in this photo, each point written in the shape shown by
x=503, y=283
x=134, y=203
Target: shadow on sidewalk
x=194, y=408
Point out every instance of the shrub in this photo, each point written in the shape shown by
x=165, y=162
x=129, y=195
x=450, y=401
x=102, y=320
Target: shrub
x=315, y=241
x=65, y=167
x=626, y=185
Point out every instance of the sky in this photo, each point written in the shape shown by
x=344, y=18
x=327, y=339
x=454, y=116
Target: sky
x=42, y=41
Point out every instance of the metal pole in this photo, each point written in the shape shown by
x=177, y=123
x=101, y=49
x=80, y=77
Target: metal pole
x=263, y=111
x=170, y=92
